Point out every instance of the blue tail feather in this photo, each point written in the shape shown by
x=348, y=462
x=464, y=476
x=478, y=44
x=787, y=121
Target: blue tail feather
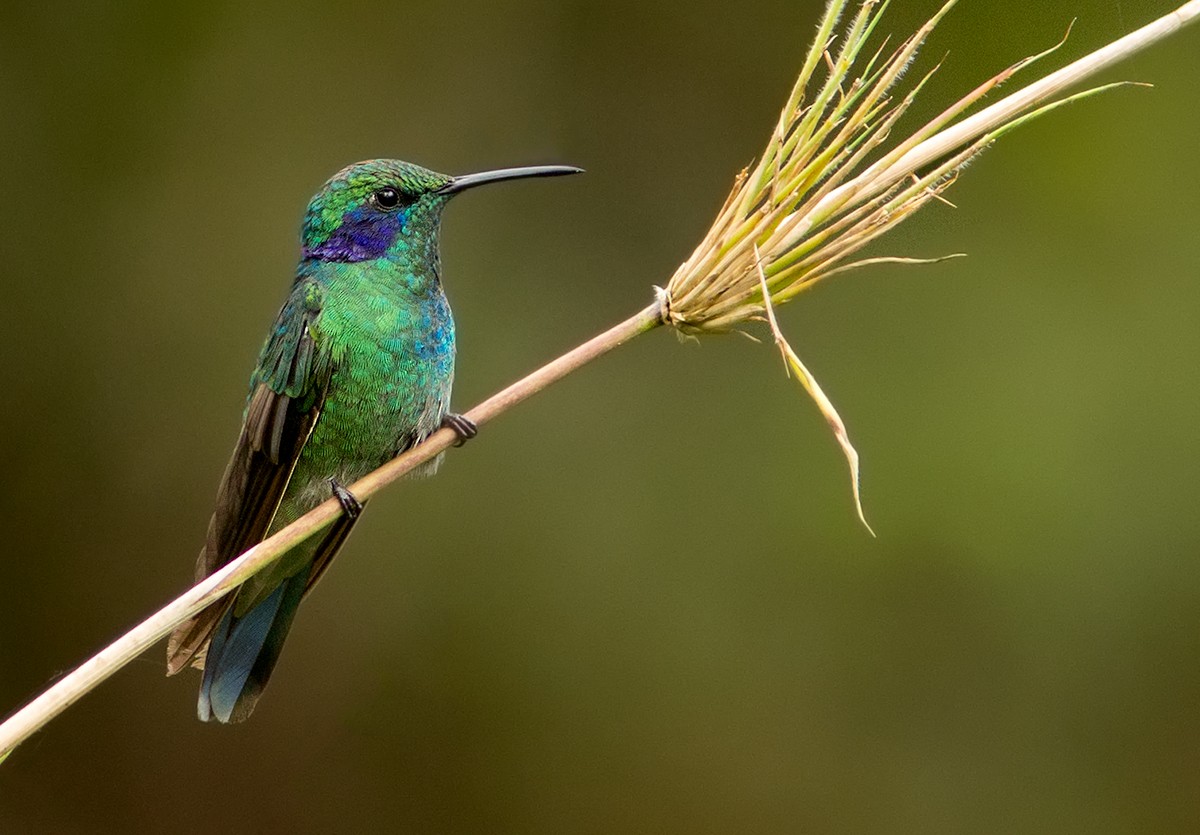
x=243, y=651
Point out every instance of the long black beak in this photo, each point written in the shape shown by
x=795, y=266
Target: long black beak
x=467, y=181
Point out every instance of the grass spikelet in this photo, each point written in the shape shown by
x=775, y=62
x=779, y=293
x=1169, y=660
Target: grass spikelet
x=831, y=180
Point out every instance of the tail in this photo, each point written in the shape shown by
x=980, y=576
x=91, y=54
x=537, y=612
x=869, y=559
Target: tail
x=243, y=652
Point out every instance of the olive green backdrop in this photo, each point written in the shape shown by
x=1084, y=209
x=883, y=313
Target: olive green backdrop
x=639, y=602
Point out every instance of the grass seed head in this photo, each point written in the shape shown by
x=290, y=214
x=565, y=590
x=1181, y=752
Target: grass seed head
x=832, y=179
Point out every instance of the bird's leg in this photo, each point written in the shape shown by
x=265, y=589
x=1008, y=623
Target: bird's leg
x=351, y=506
x=463, y=426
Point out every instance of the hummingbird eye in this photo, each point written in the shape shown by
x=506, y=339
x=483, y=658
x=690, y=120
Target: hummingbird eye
x=386, y=199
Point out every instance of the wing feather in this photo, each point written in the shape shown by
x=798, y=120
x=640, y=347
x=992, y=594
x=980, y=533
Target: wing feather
x=287, y=394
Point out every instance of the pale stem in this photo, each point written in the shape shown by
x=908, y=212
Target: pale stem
x=21, y=725
x=67, y=690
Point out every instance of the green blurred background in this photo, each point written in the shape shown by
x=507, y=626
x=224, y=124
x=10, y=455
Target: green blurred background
x=641, y=601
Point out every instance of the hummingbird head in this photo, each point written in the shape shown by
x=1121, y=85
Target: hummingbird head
x=382, y=207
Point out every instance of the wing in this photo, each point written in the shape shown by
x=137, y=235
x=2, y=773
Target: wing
x=287, y=392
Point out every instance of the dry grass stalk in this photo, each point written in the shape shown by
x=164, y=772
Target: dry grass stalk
x=826, y=185
x=792, y=221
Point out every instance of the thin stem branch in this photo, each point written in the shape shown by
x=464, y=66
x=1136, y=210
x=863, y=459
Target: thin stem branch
x=706, y=289
x=69, y=689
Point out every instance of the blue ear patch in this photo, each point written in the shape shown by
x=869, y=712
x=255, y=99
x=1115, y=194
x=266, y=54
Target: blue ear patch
x=363, y=235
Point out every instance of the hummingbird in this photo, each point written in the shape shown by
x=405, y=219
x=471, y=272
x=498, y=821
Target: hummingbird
x=357, y=368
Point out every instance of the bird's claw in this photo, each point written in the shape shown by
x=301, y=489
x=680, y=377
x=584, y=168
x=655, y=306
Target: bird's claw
x=351, y=506
x=463, y=426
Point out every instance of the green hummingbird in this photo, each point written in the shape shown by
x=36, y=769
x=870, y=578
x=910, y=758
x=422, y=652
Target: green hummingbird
x=356, y=369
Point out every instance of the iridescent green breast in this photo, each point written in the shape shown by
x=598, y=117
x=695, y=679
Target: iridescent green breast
x=392, y=354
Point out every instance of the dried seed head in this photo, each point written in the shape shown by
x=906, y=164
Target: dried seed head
x=829, y=182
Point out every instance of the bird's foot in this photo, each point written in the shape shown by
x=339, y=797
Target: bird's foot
x=351, y=506
x=463, y=426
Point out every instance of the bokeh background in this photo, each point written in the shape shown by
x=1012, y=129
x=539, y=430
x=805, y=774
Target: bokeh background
x=640, y=602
